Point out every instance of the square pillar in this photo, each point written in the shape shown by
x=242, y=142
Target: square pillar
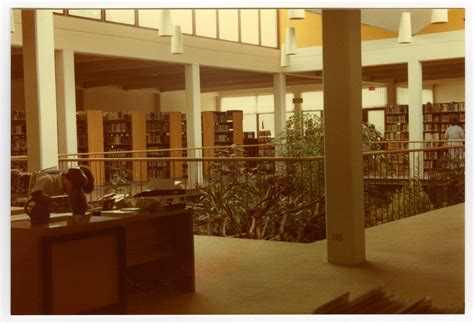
x=193, y=122
x=343, y=136
x=66, y=102
x=415, y=116
x=40, y=89
x=279, y=97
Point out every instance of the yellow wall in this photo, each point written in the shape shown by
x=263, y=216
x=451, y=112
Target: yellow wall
x=455, y=22
x=373, y=33
x=309, y=30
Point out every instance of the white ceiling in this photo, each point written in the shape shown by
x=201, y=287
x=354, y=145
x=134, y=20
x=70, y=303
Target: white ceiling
x=389, y=19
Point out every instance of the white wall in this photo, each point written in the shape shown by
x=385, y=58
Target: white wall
x=116, y=99
x=175, y=101
x=448, y=93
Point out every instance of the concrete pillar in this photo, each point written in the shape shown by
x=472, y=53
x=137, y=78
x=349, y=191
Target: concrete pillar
x=193, y=122
x=343, y=136
x=279, y=97
x=157, y=98
x=40, y=89
x=297, y=107
x=66, y=102
x=415, y=116
x=391, y=93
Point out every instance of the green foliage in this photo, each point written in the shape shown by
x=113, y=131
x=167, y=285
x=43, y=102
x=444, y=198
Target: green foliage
x=286, y=200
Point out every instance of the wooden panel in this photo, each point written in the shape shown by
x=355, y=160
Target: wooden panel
x=139, y=143
x=176, y=168
x=95, y=143
x=208, y=123
x=85, y=273
x=237, y=120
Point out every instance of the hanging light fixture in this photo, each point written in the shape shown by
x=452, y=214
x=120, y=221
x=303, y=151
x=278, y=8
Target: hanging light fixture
x=12, y=22
x=290, y=42
x=296, y=14
x=165, y=28
x=439, y=16
x=177, y=41
x=284, y=57
x=404, y=30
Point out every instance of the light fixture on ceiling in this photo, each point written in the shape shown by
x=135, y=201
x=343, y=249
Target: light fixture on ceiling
x=404, y=30
x=177, y=41
x=439, y=16
x=296, y=14
x=166, y=27
x=284, y=57
x=290, y=42
x=12, y=22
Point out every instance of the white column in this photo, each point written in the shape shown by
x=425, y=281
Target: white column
x=415, y=116
x=40, y=89
x=297, y=107
x=343, y=136
x=193, y=122
x=279, y=98
x=66, y=102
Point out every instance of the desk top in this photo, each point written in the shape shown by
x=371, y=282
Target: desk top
x=67, y=220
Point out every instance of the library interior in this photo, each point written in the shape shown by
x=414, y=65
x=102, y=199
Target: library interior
x=237, y=161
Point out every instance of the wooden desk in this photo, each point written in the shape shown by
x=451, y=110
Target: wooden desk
x=160, y=248
x=63, y=268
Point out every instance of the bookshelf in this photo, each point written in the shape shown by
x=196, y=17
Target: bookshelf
x=396, y=129
x=90, y=139
x=221, y=129
x=118, y=138
x=18, y=138
x=265, y=137
x=164, y=131
x=436, y=118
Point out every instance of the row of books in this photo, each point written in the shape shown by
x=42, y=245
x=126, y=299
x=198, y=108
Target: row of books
x=444, y=107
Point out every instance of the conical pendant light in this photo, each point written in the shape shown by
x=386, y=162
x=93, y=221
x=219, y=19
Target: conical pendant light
x=177, y=41
x=290, y=42
x=296, y=14
x=404, y=30
x=165, y=28
x=12, y=22
x=284, y=57
x=439, y=16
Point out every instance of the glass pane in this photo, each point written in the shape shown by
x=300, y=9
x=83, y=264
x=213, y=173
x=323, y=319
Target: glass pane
x=94, y=14
x=374, y=98
x=402, y=95
x=229, y=24
x=268, y=27
x=377, y=118
x=206, y=23
x=427, y=96
x=265, y=103
x=267, y=122
x=124, y=16
x=183, y=18
x=149, y=18
x=289, y=102
x=250, y=122
x=249, y=26
x=312, y=100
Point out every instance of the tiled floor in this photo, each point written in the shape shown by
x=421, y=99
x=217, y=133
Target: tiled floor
x=414, y=257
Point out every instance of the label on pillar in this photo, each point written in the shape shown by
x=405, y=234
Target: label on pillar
x=297, y=100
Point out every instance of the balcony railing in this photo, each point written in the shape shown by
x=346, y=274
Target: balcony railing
x=282, y=198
